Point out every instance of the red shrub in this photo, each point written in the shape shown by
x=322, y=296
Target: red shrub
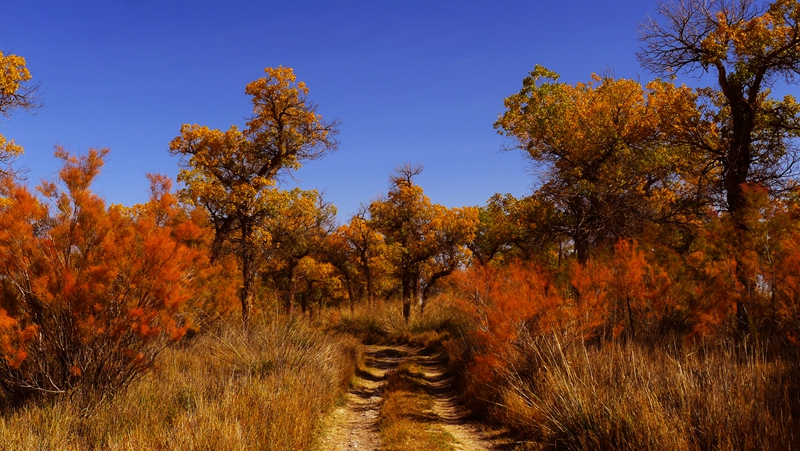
x=503, y=301
x=89, y=294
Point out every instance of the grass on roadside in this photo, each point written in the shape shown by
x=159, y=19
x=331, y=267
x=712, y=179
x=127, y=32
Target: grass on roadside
x=631, y=397
x=225, y=390
x=383, y=323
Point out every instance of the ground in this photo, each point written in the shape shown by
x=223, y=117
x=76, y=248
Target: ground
x=354, y=425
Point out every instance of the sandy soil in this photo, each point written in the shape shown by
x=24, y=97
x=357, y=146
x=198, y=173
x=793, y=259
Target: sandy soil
x=354, y=425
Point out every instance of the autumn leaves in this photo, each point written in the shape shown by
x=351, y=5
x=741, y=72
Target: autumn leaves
x=613, y=167
x=282, y=234
x=90, y=292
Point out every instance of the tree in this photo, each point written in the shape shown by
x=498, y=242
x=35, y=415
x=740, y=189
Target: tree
x=494, y=232
x=748, y=46
x=510, y=228
x=319, y=283
x=14, y=95
x=420, y=234
x=368, y=246
x=611, y=167
x=357, y=251
x=453, y=229
x=296, y=231
x=230, y=173
x=404, y=218
x=340, y=255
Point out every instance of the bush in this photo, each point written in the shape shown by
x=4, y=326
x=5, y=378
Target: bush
x=627, y=356
x=89, y=294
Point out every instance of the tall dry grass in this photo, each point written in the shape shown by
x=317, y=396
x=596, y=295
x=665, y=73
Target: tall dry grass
x=225, y=390
x=619, y=360
x=631, y=397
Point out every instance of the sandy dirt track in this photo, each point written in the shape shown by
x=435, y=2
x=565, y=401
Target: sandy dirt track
x=354, y=425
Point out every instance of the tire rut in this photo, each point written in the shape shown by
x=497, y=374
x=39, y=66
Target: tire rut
x=354, y=426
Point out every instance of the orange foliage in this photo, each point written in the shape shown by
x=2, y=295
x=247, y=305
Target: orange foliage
x=502, y=301
x=13, y=340
x=90, y=293
x=589, y=308
x=623, y=294
x=749, y=263
x=620, y=295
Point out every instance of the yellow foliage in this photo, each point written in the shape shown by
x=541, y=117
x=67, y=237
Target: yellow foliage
x=13, y=95
x=610, y=148
x=232, y=174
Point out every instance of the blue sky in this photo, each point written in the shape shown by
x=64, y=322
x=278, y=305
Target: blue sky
x=411, y=81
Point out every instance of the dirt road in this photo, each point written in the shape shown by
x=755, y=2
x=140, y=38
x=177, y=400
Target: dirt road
x=355, y=425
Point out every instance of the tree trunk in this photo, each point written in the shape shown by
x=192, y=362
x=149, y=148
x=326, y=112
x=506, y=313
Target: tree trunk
x=736, y=173
x=216, y=247
x=630, y=316
x=370, y=287
x=430, y=284
x=581, y=247
x=351, y=292
x=406, y=283
x=248, y=282
x=736, y=170
x=292, y=287
x=415, y=292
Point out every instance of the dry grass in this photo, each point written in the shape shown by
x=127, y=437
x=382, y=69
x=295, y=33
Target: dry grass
x=383, y=323
x=376, y=324
x=627, y=397
x=228, y=390
x=406, y=414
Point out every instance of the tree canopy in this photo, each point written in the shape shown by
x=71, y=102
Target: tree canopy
x=15, y=95
x=230, y=174
x=749, y=46
x=610, y=161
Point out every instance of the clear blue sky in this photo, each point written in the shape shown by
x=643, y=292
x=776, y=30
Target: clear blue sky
x=411, y=81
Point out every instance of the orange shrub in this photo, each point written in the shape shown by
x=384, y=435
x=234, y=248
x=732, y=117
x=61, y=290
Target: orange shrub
x=89, y=294
x=786, y=286
x=502, y=301
x=622, y=294
x=745, y=276
x=619, y=294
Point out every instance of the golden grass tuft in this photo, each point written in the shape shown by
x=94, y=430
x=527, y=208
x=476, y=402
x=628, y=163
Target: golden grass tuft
x=225, y=390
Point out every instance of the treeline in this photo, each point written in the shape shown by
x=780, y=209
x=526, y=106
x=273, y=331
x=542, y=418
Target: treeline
x=91, y=293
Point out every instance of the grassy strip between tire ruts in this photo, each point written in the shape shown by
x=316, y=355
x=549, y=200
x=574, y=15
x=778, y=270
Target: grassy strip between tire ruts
x=407, y=418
